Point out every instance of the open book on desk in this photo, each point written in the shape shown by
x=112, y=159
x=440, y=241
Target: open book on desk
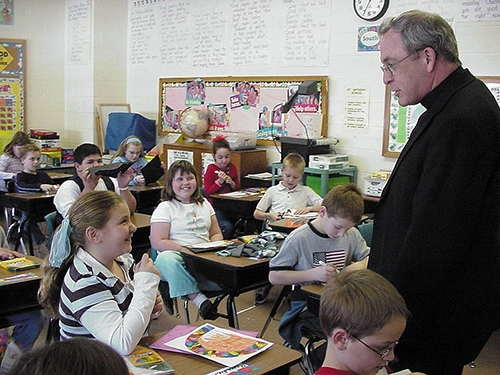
x=290, y=214
x=239, y=194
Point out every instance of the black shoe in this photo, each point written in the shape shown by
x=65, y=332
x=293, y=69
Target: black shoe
x=261, y=295
x=208, y=310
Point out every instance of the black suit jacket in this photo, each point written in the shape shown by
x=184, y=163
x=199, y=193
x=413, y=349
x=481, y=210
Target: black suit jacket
x=436, y=227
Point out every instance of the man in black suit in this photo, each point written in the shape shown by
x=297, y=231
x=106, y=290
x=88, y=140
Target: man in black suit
x=436, y=227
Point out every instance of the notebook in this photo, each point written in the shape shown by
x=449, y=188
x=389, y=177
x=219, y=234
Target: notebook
x=209, y=246
x=152, y=171
x=110, y=170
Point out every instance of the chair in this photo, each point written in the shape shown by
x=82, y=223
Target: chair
x=171, y=305
x=50, y=220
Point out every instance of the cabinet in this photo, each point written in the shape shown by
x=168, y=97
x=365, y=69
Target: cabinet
x=246, y=161
x=351, y=171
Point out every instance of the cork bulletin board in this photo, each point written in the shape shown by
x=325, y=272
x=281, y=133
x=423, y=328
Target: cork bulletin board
x=245, y=104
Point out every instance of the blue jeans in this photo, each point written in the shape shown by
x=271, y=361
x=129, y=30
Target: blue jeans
x=225, y=224
x=181, y=276
x=27, y=327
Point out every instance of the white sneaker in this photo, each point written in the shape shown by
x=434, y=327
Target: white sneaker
x=12, y=354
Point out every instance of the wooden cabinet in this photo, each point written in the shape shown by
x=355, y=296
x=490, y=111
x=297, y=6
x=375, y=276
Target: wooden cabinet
x=246, y=161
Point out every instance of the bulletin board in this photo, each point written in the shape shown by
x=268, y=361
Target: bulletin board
x=400, y=121
x=12, y=65
x=245, y=104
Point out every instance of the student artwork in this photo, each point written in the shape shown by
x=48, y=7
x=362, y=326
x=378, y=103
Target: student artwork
x=170, y=119
x=218, y=117
x=195, y=92
x=220, y=345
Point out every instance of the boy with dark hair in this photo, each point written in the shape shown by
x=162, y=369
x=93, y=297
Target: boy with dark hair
x=87, y=156
x=317, y=251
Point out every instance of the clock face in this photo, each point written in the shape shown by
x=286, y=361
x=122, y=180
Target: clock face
x=370, y=10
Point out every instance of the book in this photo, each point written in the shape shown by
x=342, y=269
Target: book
x=144, y=360
x=19, y=264
x=110, y=170
x=152, y=171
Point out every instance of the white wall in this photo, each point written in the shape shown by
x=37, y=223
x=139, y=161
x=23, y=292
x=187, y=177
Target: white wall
x=41, y=24
x=346, y=68
x=63, y=96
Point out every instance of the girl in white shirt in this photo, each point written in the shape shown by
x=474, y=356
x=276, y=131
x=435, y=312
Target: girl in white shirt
x=184, y=217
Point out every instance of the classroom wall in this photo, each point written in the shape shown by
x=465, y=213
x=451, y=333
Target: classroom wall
x=188, y=27
x=84, y=52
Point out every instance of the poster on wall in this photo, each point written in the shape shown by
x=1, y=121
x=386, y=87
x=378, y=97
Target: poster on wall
x=12, y=55
x=7, y=14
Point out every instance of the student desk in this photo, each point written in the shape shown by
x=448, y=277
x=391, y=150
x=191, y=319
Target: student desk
x=20, y=295
x=241, y=207
x=140, y=239
x=287, y=225
x=237, y=275
x=34, y=204
x=146, y=196
x=59, y=177
x=275, y=360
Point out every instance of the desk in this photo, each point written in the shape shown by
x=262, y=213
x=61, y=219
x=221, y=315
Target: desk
x=146, y=196
x=36, y=205
x=140, y=240
x=238, y=275
x=287, y=225
x=241, y=208
x=275, y=360
x=20, y=295
x=59, y=177
x=245, y=161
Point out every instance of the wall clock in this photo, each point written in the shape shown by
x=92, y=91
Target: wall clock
x=370, y=10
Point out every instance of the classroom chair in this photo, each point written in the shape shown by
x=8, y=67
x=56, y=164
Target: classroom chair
x=171, y=305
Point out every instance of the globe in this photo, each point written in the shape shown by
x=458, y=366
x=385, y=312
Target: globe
x=193, y=123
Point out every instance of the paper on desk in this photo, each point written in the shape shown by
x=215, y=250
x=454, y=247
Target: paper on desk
x=238, y=194
x=290, y=214
x=260, y=176
x=180, y=330
x=220, y=345
x=383, y=371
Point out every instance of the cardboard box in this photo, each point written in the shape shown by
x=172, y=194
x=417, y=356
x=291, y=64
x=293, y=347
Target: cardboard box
x=329, y=158
x=47, y=143
x=327, y=166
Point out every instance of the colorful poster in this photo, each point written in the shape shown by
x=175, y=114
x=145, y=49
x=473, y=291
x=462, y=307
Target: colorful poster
x=220, y=345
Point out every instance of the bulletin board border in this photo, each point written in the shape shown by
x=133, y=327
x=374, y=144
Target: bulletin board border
x=263, y=81
x=391, y=116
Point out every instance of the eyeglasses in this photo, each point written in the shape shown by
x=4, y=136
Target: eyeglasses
x=389, y=67
x=382, y=355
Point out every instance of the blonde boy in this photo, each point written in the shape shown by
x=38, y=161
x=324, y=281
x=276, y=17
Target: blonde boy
x=32, y=180
x=288, y=194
